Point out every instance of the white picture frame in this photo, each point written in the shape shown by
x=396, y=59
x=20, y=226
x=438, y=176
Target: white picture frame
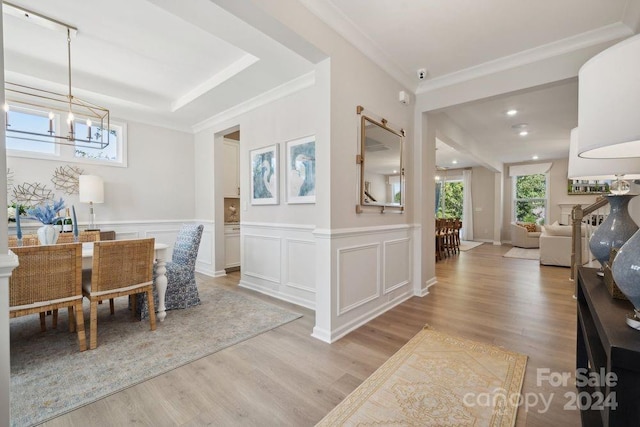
x=300, y=170
x=264, y=178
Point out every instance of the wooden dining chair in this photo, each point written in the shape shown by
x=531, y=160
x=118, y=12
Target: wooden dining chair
x=120, y=268
x=83, y=237
x=48, y=278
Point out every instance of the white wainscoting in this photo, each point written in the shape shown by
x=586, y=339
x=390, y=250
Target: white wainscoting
x=162, y=231
x=374, y=273
x=279, y=260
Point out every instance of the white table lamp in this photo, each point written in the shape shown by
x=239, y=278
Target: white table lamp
x=91, y=191
x=608, y=107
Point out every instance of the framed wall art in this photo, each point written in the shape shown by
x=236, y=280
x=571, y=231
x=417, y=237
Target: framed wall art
x=264, y=175
x=301, y=170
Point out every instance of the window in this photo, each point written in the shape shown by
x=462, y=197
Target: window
x=530, y=198
x=29, y=120
x=41, y=147
x=449, y=203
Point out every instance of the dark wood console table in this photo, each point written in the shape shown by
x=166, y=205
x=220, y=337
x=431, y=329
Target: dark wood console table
x=606, y=344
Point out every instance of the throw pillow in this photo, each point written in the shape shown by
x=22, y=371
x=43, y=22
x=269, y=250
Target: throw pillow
x=531, y=228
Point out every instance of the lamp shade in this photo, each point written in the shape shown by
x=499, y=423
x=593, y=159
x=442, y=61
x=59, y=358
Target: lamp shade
x=609, y=102
x=599, y=169
x=91, y=189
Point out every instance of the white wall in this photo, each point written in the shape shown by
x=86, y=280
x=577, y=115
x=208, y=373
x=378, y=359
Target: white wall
x=154, y=185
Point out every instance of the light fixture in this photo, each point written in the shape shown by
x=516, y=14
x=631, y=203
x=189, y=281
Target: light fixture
x=609, y=102
x=521, y=128
x=608, y=105
x=618, y=227
x=455, y=162
x=66, y=105
x=91, y=189
x=511, y=112
x=535, y=157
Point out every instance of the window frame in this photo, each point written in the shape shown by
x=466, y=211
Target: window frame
x=67, y=153
x=515, y=200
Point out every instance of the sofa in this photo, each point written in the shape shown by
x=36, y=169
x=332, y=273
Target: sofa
x=555, y=245
x=525, y=235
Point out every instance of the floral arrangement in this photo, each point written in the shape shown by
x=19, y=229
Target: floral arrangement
x=11, y=211
x=46, y=213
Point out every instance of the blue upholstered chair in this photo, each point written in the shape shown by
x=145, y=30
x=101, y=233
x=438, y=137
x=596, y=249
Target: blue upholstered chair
x=182, y=291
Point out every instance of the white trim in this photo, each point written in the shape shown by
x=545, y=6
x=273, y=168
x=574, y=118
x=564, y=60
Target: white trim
x=276, y=226
x=342, y=310
x=279, y=295
x=361, y=320
x=281, y=91
x=570, y=44
x=351, y=232
x=386, y=243
x=348, y=29
x=214, y=81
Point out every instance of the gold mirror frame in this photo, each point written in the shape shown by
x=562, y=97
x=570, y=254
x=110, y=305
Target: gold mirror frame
x=381, y=154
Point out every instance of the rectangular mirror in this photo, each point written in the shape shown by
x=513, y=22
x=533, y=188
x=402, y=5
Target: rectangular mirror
x=381, y=167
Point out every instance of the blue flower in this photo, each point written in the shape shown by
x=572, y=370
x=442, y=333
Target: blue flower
x=46, y=213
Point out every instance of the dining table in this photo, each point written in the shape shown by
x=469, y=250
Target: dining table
x=160, y=279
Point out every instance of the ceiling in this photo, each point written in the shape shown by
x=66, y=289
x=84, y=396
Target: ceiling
x=456, y=40
x=179, y=64
x=175, y=64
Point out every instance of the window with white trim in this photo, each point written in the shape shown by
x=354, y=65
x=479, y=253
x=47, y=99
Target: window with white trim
x=42, y=147
x=530, y=198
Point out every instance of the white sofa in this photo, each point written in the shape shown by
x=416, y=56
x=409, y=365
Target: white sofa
x=555, y=245
x=523, y=238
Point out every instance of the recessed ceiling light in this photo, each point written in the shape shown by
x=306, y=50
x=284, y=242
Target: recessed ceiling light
x=455, y=162
x=523, y=133
x=535, y=157
x=511, y=112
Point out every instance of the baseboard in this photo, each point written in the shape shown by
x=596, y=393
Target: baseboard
x=278, y=295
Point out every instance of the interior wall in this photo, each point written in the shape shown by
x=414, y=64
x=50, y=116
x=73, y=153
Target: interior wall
x=483, y=197
x=148, y=189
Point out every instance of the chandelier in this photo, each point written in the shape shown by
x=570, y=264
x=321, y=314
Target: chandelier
x=63, y=106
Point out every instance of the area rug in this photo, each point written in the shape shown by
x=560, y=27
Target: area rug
x=533, y=253
x=437, y=380
x=49, y=376
x=467, y=245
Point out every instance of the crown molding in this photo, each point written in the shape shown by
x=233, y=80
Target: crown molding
x=349, y=30
x=570, y=44
x=216, y=80
x=295, y=85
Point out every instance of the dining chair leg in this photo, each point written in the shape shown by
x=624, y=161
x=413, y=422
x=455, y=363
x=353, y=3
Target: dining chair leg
x=43, y=324
x=152, y=308
x=54, y=319
x=93, y=325
x=79, y=326
x=72, y=320
x=111, y=307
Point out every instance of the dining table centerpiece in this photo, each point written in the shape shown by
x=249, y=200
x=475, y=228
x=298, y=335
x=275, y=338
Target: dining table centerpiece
x=47, y=214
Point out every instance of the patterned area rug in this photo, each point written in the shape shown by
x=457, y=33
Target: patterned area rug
x=437, y=380
x=523, y=253
x=49, y=376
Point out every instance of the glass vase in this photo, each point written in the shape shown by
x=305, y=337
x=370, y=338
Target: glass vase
x=615, y=230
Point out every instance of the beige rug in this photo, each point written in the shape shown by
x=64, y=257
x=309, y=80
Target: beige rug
x=437, y=380
x=533, y=253
x=466, y=245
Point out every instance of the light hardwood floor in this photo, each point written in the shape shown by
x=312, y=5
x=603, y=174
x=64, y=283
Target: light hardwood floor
x=287, y=378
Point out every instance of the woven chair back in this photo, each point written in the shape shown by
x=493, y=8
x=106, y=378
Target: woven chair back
x=185, y=250
x=83, y=237
x=27, y=240
x=121, y=263
x=46, y=273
